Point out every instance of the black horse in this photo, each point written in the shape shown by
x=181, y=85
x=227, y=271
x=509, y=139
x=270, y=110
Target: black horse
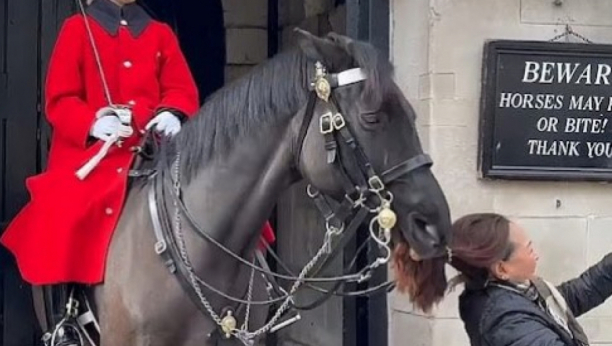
x=327, y=111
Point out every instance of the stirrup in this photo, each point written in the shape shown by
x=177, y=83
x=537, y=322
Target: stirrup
x=58, y=336
x=67, y=331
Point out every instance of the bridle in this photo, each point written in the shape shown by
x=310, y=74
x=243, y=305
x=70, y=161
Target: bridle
x=365, y=193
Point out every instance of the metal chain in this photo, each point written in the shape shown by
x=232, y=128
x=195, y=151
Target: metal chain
x=296, y=285
x=247, y=314
x=96, y=54
x=569, y=31
x=244, y=336
x=183, y=247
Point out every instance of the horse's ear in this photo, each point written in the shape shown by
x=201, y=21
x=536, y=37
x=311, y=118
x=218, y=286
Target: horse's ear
x=324, y=50
x=343, y=41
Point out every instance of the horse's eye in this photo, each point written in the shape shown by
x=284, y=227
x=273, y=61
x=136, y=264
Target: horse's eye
x=370, y=118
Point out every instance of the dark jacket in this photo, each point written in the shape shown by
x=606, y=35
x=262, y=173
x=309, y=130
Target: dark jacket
x=495, y=316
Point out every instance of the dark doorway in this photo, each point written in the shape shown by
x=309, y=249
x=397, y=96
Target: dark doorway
x=201, y=33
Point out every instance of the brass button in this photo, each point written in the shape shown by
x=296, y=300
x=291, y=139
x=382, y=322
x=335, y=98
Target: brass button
x=127, y=64
x=123, y=22
x=108, y=211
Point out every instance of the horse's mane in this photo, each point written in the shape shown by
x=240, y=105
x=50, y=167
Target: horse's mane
x=271, y=92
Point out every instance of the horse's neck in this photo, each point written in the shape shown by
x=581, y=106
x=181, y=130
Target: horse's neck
x=232, y=197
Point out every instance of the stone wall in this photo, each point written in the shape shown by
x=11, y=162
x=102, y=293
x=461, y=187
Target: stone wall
x=437, y=48
x=317, y=16
x=246, y=26
x=246, y=35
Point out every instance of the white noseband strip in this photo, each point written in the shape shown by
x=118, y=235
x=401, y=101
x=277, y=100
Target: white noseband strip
x=351, y=76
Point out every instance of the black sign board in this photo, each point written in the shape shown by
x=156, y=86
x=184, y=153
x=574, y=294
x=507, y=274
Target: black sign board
x=546, y=111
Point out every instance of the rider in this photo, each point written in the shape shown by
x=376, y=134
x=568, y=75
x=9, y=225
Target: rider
x=140, y=81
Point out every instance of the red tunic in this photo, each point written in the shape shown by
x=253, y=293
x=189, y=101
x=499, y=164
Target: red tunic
x=63, y=233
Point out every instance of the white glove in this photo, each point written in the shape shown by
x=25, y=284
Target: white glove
x=165, y=122
x=108, y=126
x=124, y=114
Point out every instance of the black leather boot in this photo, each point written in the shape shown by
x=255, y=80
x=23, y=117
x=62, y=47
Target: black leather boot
x=64, y=328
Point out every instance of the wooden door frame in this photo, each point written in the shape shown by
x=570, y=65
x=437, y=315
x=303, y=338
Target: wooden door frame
x=368, y=20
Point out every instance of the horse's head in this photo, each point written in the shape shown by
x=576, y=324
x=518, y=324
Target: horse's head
x=368, y=113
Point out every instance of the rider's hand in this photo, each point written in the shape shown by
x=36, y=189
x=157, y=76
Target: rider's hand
x=108, y=126
x=165, y=122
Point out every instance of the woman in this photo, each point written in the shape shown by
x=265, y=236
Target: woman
x=504, y=302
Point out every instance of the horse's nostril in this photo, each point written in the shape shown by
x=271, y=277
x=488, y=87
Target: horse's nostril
x=420, y=223
x=432, y=230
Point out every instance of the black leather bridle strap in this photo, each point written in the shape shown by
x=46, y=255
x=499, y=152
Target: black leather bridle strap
x=405, y=167
x=308, y=114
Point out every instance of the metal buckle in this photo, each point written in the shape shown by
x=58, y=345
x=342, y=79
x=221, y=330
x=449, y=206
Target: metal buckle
x=160, y=247
x=334, y=230
x=311, y=191
x=326, y=123
x=359, y=201
x=72, y=307
x=338, y=121
x=376, y=183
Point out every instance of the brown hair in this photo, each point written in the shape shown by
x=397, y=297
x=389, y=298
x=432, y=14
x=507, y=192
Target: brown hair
x=424, y=281
x=479, y=241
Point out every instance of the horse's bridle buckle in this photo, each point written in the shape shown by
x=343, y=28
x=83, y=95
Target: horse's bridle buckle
x=376, y=184
x=326, y=124
x=338, y=121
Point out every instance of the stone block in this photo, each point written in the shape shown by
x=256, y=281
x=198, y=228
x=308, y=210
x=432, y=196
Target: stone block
x=453, y=150
x=337, y=19
x=443, y=86
x=456, y=112
x=290, y=12
x=425, y=86
x=410, y=44
x=576, y=12
x=422, y=109
x=233, y=72
x=317, y=7
x=407, y=329
x=246, y=46
x=241, y=13
x=449, y=332
x=553, y=199
x=561, y=244
x=597, y=329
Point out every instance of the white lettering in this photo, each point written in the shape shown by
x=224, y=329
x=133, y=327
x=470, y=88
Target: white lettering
x=554, y=148
x=564, y=72
x=530, y=74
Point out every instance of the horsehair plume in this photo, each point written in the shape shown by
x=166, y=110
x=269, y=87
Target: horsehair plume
x=424, y=281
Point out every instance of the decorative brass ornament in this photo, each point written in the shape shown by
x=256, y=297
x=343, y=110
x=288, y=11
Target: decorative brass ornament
x=228, y=324
x=387, y=218
x=321, y=85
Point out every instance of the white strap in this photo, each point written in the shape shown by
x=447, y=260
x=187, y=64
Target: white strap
x=84, y=171
x=351, y=76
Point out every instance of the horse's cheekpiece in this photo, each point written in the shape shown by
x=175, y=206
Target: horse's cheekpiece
x=365, y=191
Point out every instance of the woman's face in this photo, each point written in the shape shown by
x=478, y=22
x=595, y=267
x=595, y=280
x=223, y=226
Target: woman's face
x=520, y=265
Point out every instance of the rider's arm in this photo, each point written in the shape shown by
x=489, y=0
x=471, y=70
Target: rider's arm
x=179, y=93
x=66, y=110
